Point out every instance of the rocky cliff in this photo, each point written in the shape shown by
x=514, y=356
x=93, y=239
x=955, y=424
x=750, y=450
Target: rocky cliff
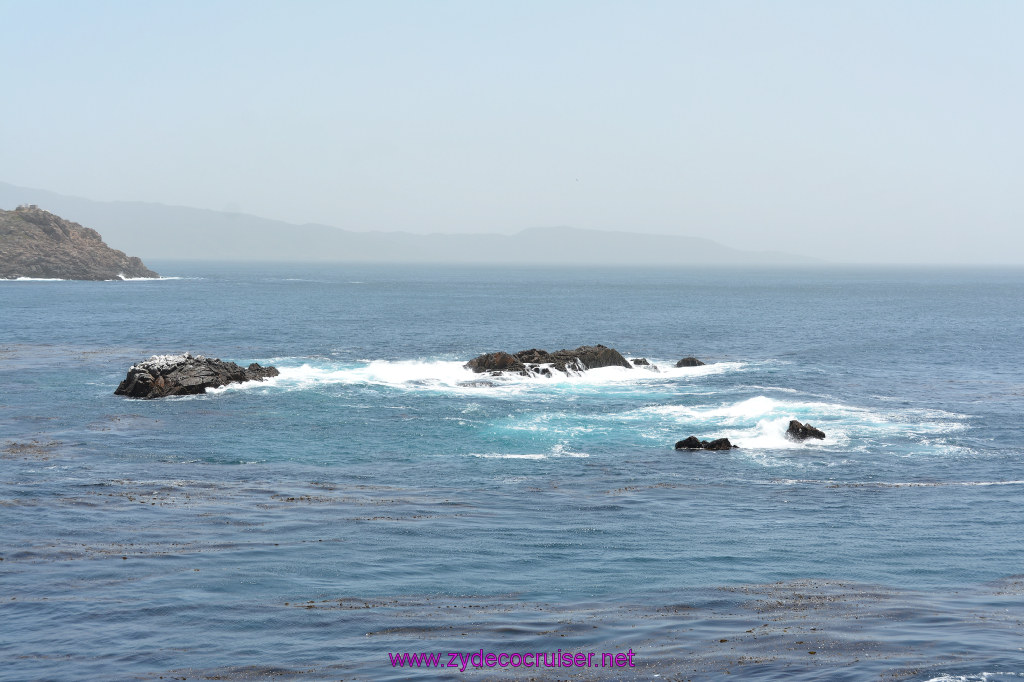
x=36, y=243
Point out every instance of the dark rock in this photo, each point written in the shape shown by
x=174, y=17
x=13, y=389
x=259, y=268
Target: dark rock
x=643, y=362
x=535, y=356
x=693, y=443
x=589, y=357
x=36, y=243
x=689, y=362
x=496, y=362
x=529, y=362
x=187, y=374
x=798, y=431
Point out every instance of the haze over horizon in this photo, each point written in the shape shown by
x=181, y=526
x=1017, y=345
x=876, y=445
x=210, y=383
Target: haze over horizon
x=873, y=132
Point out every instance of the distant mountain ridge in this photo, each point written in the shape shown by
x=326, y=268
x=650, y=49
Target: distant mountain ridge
x=156, y=231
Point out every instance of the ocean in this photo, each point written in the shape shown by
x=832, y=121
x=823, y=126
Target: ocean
x=377, y=498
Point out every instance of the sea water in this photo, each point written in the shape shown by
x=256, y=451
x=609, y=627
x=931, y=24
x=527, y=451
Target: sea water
x=378, y=498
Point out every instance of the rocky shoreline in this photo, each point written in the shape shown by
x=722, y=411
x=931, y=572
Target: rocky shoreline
x=38, y=244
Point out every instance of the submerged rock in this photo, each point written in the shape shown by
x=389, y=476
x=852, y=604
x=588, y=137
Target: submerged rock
x=186, y=374
x=689, y=362
x=536, y=361
x=798, y=431
x=645, y=364
x=693, y=443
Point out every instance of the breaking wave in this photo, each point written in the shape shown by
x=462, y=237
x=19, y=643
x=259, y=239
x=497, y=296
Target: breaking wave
x=452, y=375
x=760, y=422
x=976, y=677
x=640, y=405
x=558, y=450
x=120, y=278
x=33, y=279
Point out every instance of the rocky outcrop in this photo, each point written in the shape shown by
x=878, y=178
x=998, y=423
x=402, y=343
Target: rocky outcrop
x=187, y=374
x=536, y=361
x=36, y=243
x=640, y=361
x=693, y=443
x=496, y=362
x=798, y=431
x=689, y=362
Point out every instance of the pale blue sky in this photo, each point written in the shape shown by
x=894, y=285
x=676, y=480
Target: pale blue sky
x=860, y=130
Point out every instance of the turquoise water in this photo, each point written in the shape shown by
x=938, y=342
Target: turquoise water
x=377, y=497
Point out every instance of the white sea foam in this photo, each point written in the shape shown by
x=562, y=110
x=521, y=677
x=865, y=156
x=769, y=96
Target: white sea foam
x=756, y=407
x=671, y=371
x=887, y=484
x=557, y=450
x=780, y=389
x=975, y=677
x=779, y=412
x=499, y=455
x=452, y=375
x=404, y=373
x=120, y=278
x=770, y=434
x=757, y=424
x=242, y=386
x=33, y=279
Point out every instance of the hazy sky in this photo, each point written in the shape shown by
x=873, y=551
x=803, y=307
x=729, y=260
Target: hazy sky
x=841, y=129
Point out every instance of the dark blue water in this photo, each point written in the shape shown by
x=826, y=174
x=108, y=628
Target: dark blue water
x=377, y=497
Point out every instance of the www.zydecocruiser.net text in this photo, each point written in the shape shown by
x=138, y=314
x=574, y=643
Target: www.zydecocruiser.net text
x=479, y=659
